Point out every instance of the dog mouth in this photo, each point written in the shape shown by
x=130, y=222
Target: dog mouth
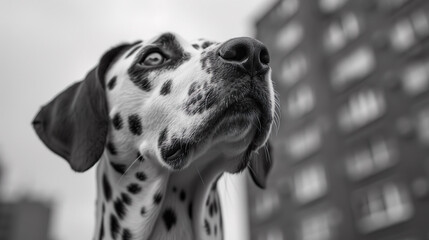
x=229, y=123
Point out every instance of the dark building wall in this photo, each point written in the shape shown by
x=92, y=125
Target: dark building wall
x=25, y=219
x=350, y=154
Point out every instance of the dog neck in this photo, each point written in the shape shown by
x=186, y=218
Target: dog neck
x=142, y=200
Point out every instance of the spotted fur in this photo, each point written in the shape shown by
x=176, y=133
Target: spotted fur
x=172, y=135
x=169, y=104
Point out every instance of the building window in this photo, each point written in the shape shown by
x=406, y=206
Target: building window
x=300, y=101
x=329, y=6
x=294, y=68
x=408, y=31
x=366, y=161
x=319, y=226
x=420, y=22
x=266, y=204
x=290, y=36
x=382, y=206
x=362, y=108
x=357, y=65
x=341, y=32
x=415, y=78
x=305, y=142
x=287, y=8
x=423, y=126
x=402, y=36
x=272, y=234
x=310, y=183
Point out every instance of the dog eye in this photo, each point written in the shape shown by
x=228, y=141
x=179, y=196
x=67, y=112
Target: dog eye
x=153, y=59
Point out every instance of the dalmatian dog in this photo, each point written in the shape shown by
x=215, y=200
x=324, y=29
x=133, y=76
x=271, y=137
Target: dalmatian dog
x=164, y=119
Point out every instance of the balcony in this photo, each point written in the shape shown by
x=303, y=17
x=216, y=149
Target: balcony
x=377, y=156
x=361, y=109
x=300, y=101
x=382, y=206
x=289, y=37
x=340, y=33
x=310, y=183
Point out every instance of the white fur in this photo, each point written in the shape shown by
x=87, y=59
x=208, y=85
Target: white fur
x=159, y=112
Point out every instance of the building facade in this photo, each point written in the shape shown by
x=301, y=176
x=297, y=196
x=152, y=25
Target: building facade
x=351, y=152
x=25, y=219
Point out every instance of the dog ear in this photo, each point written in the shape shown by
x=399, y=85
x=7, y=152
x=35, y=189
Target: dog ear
x=74, y=124
x=260, y=165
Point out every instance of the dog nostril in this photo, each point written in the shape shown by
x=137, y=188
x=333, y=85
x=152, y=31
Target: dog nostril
x=264, y=56
x=237, y=53
x=247, y=54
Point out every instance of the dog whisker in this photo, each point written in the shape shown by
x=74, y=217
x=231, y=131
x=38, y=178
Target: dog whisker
x=277, y=111
x=199, y=175
x=129, y=167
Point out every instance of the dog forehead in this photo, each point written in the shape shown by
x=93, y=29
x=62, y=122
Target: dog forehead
x=167, y=39
x=201, y=42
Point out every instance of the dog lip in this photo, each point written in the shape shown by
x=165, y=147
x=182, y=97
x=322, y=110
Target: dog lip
x=175, y=155
x=244, y=107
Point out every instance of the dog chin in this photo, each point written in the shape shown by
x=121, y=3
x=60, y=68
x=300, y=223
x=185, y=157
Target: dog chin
x=230, y=138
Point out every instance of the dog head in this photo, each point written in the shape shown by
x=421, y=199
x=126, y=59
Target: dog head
x=168, y=100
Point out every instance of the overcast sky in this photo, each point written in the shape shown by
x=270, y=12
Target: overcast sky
x=48, y=44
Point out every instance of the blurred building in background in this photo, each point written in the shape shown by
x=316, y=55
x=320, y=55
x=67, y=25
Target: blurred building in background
x=25, y=219
x=352, y=150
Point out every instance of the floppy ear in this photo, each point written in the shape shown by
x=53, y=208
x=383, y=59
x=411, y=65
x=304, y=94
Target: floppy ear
x=74, y=124
x=260, y=165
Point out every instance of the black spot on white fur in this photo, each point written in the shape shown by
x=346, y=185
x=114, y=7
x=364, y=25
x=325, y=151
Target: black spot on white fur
x=141, y=176
x=157, y=198
x=207, y=227
x=126, y=234
x=114, y=226
x=143, y=211
x=107, y=189
x=111, y=148
x=134, y=124
x=211, y=209
x=196, y=46
x=215, y=207
x=112, y=83
x=117, y=121
x=119, y=208
x=182, y=195
x=134, y=188
x=206, y=44
x=166, y=87
x=190, y=210
x=208, y=200
x=169, y=217
x=101, y=236
x=120, y=168
x=199, y=99
x=126, y=198
x=192, y=88
x=145, y=84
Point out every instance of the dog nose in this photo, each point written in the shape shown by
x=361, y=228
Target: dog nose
x=247, y=53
